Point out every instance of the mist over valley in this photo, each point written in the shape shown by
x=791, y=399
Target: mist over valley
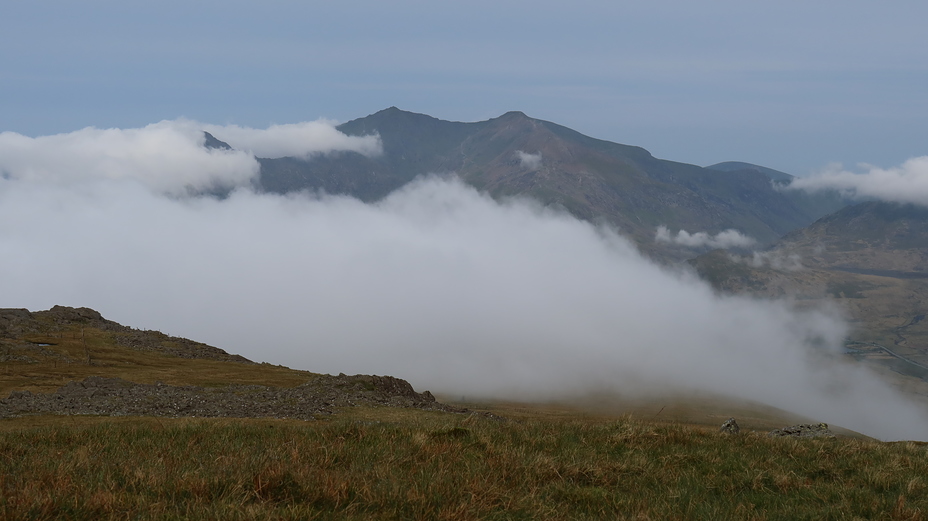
x=509, y=259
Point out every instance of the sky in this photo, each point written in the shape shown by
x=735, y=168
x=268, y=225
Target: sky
x=796, y=86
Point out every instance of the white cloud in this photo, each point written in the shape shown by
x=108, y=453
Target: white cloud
x=903, y=184
x=724, y=239
x=529, y=161
x=436, y=284
x=297, y=139
x=169, y=156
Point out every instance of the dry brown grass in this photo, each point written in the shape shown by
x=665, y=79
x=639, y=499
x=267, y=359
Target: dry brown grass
x=402, y=464
x=111, y=360
x=610, y=459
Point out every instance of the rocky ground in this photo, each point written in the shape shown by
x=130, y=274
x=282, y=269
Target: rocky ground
x=805, y=430
x=320, y=396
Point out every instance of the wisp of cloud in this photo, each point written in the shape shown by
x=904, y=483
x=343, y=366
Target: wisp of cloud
x=903, y=184
x=529, y=161
x=169, y=156
x=725, y=239
x=437, y=283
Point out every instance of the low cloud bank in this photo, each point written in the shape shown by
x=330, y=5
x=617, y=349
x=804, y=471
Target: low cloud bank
x=529, y=161
x=295, y=140
x=436, y=284
x=169, y=156
x=903, y=184
x=724, y=239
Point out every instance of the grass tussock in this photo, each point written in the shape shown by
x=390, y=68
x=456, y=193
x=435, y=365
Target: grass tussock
x=419, y=465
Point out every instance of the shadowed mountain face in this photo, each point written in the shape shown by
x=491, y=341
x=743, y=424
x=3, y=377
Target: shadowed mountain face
x=870, y=258
x=592, y=179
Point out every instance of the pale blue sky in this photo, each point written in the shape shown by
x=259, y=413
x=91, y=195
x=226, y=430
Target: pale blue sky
x=792, y=85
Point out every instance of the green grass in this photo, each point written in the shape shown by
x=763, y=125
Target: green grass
x=402, y=464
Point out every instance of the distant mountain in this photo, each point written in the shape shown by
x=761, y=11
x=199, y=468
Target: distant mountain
x=591, y=178
x=817, y=204
x=212, y=143
x=866, y=236
x=735, y=166
x=871, y=259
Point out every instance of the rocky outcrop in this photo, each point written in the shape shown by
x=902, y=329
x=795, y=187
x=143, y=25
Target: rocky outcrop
x=14, y=322
x=171, y=345
x=730, y=427
x=320, y=396
x=804, y=430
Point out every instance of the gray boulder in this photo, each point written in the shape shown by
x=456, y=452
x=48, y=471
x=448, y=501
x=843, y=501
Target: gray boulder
x=730, y=427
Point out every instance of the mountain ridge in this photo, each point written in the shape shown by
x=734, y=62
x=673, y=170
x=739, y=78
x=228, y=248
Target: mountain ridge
x=593, y=179
x=734, y=166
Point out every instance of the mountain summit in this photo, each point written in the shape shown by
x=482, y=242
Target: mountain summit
x=593, y=179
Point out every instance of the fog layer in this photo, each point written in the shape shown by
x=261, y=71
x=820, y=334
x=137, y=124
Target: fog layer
x=436, y=284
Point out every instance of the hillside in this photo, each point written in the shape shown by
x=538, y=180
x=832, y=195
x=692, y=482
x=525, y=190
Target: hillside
x=149, y=426
x=73, y=361
x=870, y=258
x=593, y=179
x=886, y=238
x=199, y=433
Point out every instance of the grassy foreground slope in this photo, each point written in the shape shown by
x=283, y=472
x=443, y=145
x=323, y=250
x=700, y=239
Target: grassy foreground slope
x=407, y=464
x=378, y=462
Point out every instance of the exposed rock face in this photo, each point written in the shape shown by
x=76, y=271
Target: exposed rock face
x=14, y=321
x=320, y=396
x=804, y=430
x=730, y=427
x=69, y=314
